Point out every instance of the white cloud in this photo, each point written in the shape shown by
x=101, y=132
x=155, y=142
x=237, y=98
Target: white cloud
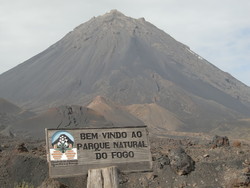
x=216, y=30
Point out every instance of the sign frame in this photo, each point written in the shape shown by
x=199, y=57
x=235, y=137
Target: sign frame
x=127, y=148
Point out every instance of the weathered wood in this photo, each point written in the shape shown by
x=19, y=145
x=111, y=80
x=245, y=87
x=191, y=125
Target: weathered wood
x=103, y=178
x=126, y=147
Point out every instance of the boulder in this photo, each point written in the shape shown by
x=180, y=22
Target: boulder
x=220, y=141
x=180, y=162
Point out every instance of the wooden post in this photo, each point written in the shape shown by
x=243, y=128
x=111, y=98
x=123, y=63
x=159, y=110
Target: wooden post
x=103, y=178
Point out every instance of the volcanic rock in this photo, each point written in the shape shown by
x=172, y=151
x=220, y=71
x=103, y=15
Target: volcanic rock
x=21, y=148
x=180, y=162
x=220, y=141
x=163, y=160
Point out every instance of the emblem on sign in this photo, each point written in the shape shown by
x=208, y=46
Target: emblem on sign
x=63, y=147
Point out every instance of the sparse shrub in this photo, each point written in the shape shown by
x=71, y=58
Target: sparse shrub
x=236, y=143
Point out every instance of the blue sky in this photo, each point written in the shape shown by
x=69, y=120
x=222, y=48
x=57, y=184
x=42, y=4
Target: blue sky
x=218, y=31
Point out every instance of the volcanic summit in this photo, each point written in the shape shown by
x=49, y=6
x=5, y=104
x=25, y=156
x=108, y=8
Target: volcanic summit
x=129, y=61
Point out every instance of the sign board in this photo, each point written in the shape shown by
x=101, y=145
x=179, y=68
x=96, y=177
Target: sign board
x=72, y=152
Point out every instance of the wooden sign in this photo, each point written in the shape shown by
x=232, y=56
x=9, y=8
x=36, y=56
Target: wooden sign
x=72, y=152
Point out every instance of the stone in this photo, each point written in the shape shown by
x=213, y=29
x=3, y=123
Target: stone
x=220, y=141
x=236, y=143
x=206, y=156
x=180, y=162
x=21, y=148
x=246, y=162
x=163, y=160
x=246, y=170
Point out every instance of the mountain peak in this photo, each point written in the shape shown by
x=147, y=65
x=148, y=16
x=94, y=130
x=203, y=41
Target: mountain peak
x=127, y=61
x=99, y=100
x=114, y=12
x=110, y=17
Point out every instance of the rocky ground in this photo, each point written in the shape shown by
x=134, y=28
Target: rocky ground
x=203, y=165
x=179, y=163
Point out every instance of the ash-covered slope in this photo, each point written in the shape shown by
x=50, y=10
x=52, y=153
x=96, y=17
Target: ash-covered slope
x=129, y=61
x=114, y=113
x=10, y=113
x=8, y=107
x=156, y=117
x=57, y=118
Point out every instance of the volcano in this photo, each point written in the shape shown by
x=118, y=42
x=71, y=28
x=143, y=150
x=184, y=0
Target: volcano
x=128, y=61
